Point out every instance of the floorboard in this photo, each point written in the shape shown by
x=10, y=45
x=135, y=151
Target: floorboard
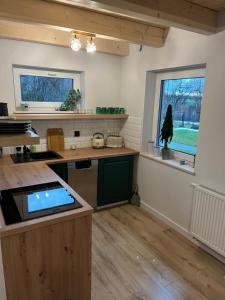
x=135, y=257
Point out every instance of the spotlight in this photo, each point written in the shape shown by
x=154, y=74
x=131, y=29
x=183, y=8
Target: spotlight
x=91, y=47
x=75, y=43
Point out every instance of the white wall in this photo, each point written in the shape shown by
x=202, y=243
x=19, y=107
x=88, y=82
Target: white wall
x=102, y=71
x=167, y=191
x=102, y=80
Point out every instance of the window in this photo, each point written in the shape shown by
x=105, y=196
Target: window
x=184, y=91
x=43, y=88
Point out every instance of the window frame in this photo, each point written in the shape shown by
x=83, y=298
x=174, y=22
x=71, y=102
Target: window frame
x=171, y=75
x=45, y=72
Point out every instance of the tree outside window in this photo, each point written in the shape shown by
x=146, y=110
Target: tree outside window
x=185, y=96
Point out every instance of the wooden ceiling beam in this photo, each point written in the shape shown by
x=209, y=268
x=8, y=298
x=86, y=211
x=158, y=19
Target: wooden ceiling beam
x=65, y=16
x=178, y=13
x=51, y=36
x=221, y=21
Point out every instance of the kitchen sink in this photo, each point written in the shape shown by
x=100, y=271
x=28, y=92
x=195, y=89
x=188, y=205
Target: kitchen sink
x=34, y=156
x=45, y=155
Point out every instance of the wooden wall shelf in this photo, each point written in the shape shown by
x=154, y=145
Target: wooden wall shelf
x=29, y=138
x=66, y=116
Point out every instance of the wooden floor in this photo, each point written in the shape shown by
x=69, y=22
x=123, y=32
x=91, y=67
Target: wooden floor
x=136, y=257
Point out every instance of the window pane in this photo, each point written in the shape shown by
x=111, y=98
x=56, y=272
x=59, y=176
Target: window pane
x=44, y=89
x=185, y=96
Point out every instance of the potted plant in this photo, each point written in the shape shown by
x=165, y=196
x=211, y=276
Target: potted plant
x=167, y=133
x=71, y=101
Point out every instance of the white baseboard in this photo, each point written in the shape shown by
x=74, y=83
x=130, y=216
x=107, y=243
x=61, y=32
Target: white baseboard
x=164, y=219
x=167, y=220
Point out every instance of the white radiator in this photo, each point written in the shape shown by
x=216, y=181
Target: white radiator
x=208, y=218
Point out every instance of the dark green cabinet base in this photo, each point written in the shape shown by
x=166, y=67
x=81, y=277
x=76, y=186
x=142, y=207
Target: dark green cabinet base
x=61, y=170
x=115, y=177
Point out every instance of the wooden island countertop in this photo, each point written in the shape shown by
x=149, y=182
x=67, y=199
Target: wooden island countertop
x=13, y=176
x=17, y=175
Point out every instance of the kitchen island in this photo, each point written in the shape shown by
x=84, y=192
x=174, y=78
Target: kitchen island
x=48, y=257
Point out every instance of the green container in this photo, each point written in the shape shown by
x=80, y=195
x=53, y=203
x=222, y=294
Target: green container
x=107, y=110
x=98, y=110
x=111, y=110
x=117, y=110
x=122, y=111
x=33, y=148
x=104, y=110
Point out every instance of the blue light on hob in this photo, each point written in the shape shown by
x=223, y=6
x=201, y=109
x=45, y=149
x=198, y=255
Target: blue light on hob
x=48, y=199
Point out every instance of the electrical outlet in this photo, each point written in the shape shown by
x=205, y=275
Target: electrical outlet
x=77, y=133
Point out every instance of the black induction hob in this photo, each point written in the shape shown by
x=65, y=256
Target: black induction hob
x=30, y=202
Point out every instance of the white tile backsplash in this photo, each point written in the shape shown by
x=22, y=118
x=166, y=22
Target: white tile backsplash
x=130, y=129
x=132, y=133
x=86, y=127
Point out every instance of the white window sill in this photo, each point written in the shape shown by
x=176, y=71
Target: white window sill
x=171, y=163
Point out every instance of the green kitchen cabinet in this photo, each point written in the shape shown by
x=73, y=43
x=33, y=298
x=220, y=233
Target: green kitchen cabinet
x=115, y=179
x=61, y=170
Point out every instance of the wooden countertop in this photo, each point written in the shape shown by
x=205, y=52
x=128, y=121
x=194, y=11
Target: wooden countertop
x=12, y=176
x=75, y=155
x=17, y=175
x=90, y=153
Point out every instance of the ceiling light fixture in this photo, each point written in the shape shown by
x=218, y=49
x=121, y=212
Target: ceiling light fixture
x=91, y=46
x=75, y=43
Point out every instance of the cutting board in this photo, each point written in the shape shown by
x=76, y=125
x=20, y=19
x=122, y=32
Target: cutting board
x=55, y=139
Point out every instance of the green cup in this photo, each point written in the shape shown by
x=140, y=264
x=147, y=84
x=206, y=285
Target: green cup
x=117, y=110
x=112, y=110
x=98, y=110
x=104, y=110
x=122, y=111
